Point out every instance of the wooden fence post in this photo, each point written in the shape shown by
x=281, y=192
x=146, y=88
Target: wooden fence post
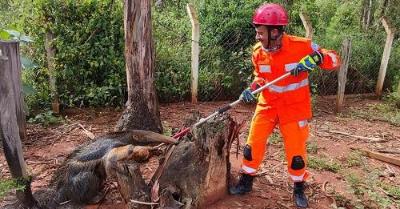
x=342, y=73
x=385, y=57
x=195, y=50
x=10, y=100
x=307, y=24
x=50, y=51
x=11, y=51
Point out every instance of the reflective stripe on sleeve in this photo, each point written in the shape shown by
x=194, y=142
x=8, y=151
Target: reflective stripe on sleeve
x=290, y=66
x=290, y=87
x=314, y=46
x=265, y=68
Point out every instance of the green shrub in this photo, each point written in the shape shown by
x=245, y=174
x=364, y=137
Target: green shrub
x=89, y=47
x=46, y=118
x=322, y=163
x=7, y=185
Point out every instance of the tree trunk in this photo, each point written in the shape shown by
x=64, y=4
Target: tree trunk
x=142, y=111
x=10, y=91
x=366, y=17
x=133, y=186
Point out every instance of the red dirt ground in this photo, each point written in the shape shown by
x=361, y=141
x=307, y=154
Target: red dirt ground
x=331, y=138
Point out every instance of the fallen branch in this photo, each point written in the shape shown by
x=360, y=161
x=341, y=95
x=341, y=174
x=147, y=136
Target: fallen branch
x=88, y=133
x=324, y=186
x=389, y=151
x=269, y=179
x=369, y=139
x=378, y=156
x=143, y=203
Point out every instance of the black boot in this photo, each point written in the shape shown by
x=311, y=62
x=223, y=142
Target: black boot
x=299, y=197
x=244, y=186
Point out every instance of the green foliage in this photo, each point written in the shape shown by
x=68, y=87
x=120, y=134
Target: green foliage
x=7, y=185
x=89, y=61
x=14, y=35
x=388, y=111
x=227, y=39
x=224, y=54
x=46, y=118
x=392, y=190
x=312, y=147
x=322, y=163
x=89, y=46
x=393, y=100
x=354, y=181
x=275, y=138
x=368, y=190
x=354, y=159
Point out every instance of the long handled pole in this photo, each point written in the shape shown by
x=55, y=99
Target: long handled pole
x=231, y=105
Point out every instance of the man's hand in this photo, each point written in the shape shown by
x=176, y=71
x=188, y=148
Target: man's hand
x=308, y=63
x=257, y=83
x=247, y=97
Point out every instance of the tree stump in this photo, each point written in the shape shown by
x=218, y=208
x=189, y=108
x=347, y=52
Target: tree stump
x=195, y=172
x=133, y=187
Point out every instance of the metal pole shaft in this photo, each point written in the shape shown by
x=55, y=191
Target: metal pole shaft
x=231, y=105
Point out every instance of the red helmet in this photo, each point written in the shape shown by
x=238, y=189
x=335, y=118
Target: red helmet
x=270, y=14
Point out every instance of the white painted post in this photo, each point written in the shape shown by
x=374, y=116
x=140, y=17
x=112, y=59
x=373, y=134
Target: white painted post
x=386, y=54
x=195, y=50
x=307, y=24
x=342, y=73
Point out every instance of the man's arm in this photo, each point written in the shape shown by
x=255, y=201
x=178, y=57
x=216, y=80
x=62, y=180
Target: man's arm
x=325, y=59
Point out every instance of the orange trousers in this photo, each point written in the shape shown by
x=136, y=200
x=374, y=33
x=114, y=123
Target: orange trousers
x=294, y=135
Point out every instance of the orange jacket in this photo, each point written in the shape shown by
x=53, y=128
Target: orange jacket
x=290, y=96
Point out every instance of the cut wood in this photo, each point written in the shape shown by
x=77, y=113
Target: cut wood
x=198, y=170
x=378, y=156
x=85, y=131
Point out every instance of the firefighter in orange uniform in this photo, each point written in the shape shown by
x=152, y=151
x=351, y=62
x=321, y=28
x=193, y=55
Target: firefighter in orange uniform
x=285, y=103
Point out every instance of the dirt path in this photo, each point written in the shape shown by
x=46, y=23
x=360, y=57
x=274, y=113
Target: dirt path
x=340, y=175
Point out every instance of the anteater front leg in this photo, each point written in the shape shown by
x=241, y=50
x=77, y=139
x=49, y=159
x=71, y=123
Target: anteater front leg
x=119, y=154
